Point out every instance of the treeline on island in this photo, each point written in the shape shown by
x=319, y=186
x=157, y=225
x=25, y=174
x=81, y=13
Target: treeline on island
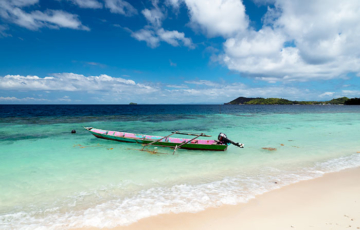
x=281, y=101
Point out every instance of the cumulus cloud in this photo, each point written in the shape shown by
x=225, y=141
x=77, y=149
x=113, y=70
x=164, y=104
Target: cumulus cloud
x=94, y=4
x=120, y=7
x=299, y=41
x=217, y=17
x=73, y=82
x=11, y=11
x=153, y=34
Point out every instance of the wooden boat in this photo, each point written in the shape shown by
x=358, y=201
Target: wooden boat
x=166, y=141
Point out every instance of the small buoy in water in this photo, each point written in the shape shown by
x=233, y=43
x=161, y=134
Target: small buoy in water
x=73, y=131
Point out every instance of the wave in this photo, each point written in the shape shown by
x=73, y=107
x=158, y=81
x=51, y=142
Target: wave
x=174, y=199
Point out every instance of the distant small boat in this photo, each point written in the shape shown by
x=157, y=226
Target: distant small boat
x=195, y=144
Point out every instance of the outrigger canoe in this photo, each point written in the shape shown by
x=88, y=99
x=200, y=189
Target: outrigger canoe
x=166, y=141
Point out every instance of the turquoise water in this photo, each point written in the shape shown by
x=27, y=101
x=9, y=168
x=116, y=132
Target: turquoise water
x=51, y=179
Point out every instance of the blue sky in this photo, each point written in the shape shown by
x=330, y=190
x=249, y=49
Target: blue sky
x=177, y=51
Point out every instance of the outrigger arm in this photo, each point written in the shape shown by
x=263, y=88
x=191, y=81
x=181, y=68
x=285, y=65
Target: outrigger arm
x=159, y=140
x=177, y=146
x=197, y=135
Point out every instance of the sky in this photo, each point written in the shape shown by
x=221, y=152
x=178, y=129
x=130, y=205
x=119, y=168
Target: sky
x=177, y=51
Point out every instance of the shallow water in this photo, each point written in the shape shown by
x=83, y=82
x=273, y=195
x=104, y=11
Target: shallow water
x=52, y=179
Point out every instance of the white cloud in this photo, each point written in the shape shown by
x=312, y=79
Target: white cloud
x=11, y=11
x=65, y=98
x=96, y=64
x=173, y=38
x=203, y=82
x=120, y=7
x=216, y=17
x=94, y=4
x=21, y=3
x=154, y=16
x=178, y=86
x=299, y=42
x=73, y=82
x=153, y=38
x=15, y=99
x=351, y=93
x=154, y=33
x=148, y=36
x=114, y=90
x=220, y=93
x=263, y=43
x=173, y=3
x=327, y=94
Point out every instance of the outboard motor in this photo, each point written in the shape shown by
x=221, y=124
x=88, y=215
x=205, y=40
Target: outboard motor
x=224, y=140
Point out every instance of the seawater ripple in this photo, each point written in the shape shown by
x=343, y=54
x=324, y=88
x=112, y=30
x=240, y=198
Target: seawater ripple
x=52, y=179
x=175, y=199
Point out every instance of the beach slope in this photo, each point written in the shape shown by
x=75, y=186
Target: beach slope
x=328, y=202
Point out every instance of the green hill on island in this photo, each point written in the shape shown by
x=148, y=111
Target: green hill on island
x=281, y=101
x=353, y=101
x=269, y=101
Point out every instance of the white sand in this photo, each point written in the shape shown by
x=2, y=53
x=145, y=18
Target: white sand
x=329, y=202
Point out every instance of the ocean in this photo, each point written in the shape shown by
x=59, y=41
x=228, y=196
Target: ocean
x=52, y=179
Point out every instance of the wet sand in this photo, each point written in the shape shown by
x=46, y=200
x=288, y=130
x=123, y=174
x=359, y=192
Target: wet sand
x=328, y=202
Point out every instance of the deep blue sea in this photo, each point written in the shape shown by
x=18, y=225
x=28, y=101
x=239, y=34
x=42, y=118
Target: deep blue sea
x=52, y=179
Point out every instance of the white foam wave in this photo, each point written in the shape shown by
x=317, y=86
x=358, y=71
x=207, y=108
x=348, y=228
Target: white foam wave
x=175, y=199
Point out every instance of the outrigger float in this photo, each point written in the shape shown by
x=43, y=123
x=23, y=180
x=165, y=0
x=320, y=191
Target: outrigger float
x=176, y=143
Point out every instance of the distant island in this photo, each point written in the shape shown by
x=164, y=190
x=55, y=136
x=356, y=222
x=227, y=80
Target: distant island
x=133, y=103
x=281, y=101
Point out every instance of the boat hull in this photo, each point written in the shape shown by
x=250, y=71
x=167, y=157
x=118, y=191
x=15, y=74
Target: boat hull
x=145, y=139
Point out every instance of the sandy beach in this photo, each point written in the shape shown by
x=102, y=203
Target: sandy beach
x=328, y=202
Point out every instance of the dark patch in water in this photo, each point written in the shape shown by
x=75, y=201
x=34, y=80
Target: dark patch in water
x=269, y=149
x=87, y=119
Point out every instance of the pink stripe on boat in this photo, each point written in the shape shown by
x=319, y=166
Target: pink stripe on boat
x=175, y=140
x=119, y=134
x=206, y=142
x=111, y=133
x=98, y=131
x=130, y=135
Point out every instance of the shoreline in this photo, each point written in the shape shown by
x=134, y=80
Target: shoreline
x=328, y=202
